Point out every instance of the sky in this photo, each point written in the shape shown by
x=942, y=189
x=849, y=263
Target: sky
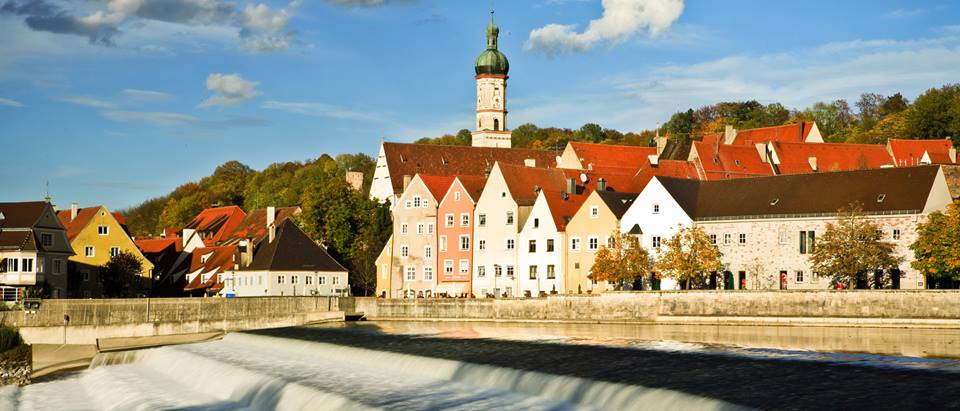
x=116, y=101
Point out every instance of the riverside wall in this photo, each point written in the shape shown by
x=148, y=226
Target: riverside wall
x=85, y=321
x=895, y=308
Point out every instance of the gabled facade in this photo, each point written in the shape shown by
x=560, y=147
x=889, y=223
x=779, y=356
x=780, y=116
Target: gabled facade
x=455, y=231
x=541, y=256
x=590, y=228
x=33, y=249
x=96, y=235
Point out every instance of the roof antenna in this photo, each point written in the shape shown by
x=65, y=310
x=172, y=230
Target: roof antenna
x=47, y=197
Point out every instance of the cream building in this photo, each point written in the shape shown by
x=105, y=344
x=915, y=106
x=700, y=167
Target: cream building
x=589, y=229
x=542, y=255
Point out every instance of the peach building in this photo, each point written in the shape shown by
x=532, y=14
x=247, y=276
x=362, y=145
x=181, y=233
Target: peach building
x=455, y=235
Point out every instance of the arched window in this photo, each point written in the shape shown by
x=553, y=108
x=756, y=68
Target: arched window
x=479, y=124
x=496, y=124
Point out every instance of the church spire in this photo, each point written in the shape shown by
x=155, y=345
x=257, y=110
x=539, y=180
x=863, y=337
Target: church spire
x=492, y=33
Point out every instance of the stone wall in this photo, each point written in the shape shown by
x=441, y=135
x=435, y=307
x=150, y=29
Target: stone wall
x=16, y=365
x=894, y=308
x=85, y=321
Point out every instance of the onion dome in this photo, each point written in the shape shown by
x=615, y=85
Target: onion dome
x=492, y=61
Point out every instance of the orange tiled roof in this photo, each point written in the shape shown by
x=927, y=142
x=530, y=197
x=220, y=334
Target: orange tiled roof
x=606, y=155
x=725, y=161
x=220, y=259
x=254, y=225
x=473, y=185
x=157, y=245
x=563, y=206
x=216, y=223
x=523, y=181
x=795, y=157
x=437, y=185
x=794, y=133
x=909, y=152
x=74, y=227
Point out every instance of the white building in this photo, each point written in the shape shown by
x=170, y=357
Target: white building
x=542, y=257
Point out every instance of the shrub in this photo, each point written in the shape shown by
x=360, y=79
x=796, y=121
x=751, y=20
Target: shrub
x=9, y=338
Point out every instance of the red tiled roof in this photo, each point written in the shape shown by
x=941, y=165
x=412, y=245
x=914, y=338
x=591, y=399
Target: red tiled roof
x=74, y=227
x=724, y=161
x=217, y=222
x=119, y=217
x=563, y=206
x=254, y=225
x=412, y=159
x=523, y=181
x=473, y=185
x=795, y=133
x=593, y=156
x=437, y=185
x=795, y=157
x=910, y=152
x=220, y=260
x=158, y=245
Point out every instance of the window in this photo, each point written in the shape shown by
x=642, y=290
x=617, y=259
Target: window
x=743, y=239
x=532, y=246
x=58, y=266
x=656, y=208
x=655, y=241
x=428, y=252
x=427, y=273
x=464, y=266
x=114, y=251
x=482, y=244
x=782, y=236
x=103, y=230
x=403, y=229
x=496, y=124
x=536, y=223
x=464, y=242
x=383, y=271
x=497, y=270
x=26, y=265
x=713, y=239
x=335, y=280
x=610, y=241
x=593, y=243
x=533, y=272
x=417, y=202
x=448, y=266
x=88, y=251
x=509, y=217
x=407, y=204
x=574, y=244
x=594, y=212
x=551, y=272
x=449, y=220
x=550, y=245
x=807, y=240
x=727, y=239
x=430, y=228
x=456, y=196
x=799, y=276
x=46, y=239
x=279, y=279
x=420, y=229
x=509, y=271
x=510, y=244
x=482, y=220
x=411, y=273
x=443, y=243
x=321, y=280
x=465, y=220
x=896, y=233
x=294, y=279
x=404, y=251
x=481, y=271
x=308, y=280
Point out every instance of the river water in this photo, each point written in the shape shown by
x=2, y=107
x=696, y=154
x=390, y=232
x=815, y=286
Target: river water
x=515, y=366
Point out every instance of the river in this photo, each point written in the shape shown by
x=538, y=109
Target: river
x=519, y=366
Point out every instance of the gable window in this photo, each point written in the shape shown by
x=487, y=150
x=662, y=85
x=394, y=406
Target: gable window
x=103, y=230
x=743, y=239
x=464, y=242
x=536, y=223
x=448, y=266
x=594, y=212
x=465, y=220
x=464, y=266
x=593, y=243
x=509, y=217
x=656, y=208
x=411, y=273
x=114, y=251
x=550, y=245
x=896, y=233
x=482, y=220
x=407, y=204
x=427, y=273
x=510, y=244
x=46, y=239
x=551, y=272
x=807, y=240
x=456, y=196
x=533, y=272
x=449, y=219
x=482, y=244
x=574, y=244
x=532, y=246
x=417, y=202
x=404, y=251
x=88, y=251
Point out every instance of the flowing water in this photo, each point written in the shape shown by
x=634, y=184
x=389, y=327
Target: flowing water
x=277, y=371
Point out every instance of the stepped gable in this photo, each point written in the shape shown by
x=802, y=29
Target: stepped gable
x=292, y=250
x=438, y=160
x=796, y=158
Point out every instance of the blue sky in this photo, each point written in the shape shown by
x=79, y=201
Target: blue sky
x=117, y=101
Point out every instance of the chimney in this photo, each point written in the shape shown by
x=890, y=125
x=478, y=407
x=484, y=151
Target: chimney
x=729, y=134
x=74, y=209
x=271, y=215
x=601, y=185
x=813, y=162
x=571, y=186
x=407, y=178
x=530, y=162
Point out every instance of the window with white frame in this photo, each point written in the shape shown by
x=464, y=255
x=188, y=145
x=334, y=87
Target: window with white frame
x=404, y=228
x=411, y=273
x=656, y=208
x=807, y=241
x=743, y=239
x=593, y=243
x=551, y=272
x=448, y=218
x=448, y=266
x=896, y=233
x=497, y=270
x=307, y=279
x=482, y=244
x=655, y=241
x=334, y=280
x=799, y=276
x=426, y=203
x=727, y=239
x=428, y=252
x=510, y=244
x=321, y=280
x=407, y=204
x=549, y=245
x=481, y=271
x=465, y=220
x=464, y=242
x=532, y=246
x=26, y=265
x=417, y=202
x=114, y=251
x=420, y=228
x=89, y=251
x=279, y=279
x=482, y=220
x=782, y=237
x=294, y=279
x=464, y=266
x=509, y=271
x=533, y=272
x=443, y=243
x=456, y=196
x=103, y=230
x=509, y=217
x=594, y=212
x=429, y=228
x=428, y=273
x=713, y=239
x=404, y=251
x=574, y=243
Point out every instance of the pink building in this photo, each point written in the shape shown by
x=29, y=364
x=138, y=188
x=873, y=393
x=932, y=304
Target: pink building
x=455, y=235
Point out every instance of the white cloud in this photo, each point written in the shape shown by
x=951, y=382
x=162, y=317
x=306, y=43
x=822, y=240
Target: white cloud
x=263, y=27
x=229, y=90
x=620, y=20
x=86, y=101
x=152, y=117
x=900, y=13
x=318, y=110
x=10, y=103
x=146, y=95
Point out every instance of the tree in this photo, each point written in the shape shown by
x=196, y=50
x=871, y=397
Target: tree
x=833, y=119
x=870, y=106
x=121, y=277
x=680, y=125
x=688, y=257
x=624, y=260
x=851, y=249
x=936, y=114
x=937, y=248
x=759, y=276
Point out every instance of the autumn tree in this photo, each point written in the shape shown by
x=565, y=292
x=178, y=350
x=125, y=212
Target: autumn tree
x=621, y=261
x=937, y=248
x=121, y=277
x=852, y=249
x=688, y=257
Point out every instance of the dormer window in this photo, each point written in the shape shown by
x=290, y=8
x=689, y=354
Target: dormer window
x=775, y=201
x=403, y=159
x=881, y=197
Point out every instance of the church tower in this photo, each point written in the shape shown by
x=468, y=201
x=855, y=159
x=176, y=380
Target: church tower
x=491, y=68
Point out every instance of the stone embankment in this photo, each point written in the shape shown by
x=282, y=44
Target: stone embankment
x=894, y=308
x=16, y=366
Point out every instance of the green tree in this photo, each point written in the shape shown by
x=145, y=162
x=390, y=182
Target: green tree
x=121, y=276
x=680, y=125
x=688, y=257
x=226, y=185
x=833, y=119
x=620, y=262
x=936, y=114
x=937, y=248
x=853, y=248
x=590, y=132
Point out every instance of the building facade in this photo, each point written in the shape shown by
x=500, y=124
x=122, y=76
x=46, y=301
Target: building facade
x=33, y=250
x=455, y=235
x=491, y=70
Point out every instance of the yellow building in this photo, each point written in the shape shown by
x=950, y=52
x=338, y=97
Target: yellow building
x=589, y=229
x=96, y=234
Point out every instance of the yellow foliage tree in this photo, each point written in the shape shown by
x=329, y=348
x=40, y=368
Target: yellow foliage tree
x=689, y=256
x=621, y=261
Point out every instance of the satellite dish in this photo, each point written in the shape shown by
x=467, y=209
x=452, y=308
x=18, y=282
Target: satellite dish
x=583, y=178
